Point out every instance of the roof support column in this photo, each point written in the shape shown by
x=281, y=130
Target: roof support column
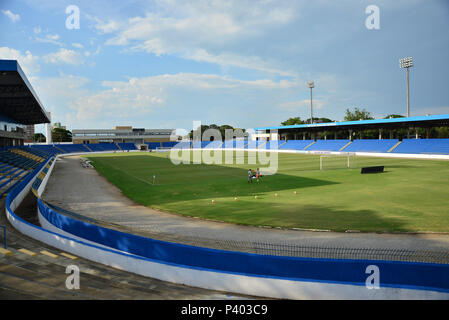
x=48, y=129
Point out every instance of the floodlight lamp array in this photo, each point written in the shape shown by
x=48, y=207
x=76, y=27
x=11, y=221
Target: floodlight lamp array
x=406, y=62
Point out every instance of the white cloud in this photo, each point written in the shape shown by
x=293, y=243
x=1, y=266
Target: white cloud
x=64, y=56
x=231, y=59
x=14, y=17
x=205, y=31
x=37, y=29
x=28, y=62
x=106, y=27
x=56, y=93
x=77, y=45
x=50, y=38
x=141, y=96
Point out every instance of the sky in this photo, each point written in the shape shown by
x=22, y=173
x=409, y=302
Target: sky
x=167, y=63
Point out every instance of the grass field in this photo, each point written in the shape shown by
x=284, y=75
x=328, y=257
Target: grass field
x=411, y=195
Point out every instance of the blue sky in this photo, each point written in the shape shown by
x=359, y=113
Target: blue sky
x=165, y=63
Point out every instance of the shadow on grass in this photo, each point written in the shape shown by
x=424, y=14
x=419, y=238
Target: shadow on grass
x=307, y=216
x=187, y=182
x=177, y=185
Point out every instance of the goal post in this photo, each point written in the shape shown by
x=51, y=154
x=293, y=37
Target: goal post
x=337, y=161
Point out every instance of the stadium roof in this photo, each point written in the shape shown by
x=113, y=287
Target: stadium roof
x=421, y=121
x=18, y=100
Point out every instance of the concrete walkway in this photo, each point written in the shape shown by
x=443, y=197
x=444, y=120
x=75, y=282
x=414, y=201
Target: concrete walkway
x=84, y=191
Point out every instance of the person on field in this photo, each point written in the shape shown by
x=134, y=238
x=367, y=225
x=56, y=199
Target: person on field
x=258, y=174
x=250, y=176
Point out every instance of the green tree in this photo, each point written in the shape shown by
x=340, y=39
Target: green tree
x=221, y=128
x=61, y=135
x=358, y=114
x=39, y=137
x=319, y=120
x=393, y=116
x=292, y=121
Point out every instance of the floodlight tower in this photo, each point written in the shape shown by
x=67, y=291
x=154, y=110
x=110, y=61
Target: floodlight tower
x=407, y=63
x=311, y=85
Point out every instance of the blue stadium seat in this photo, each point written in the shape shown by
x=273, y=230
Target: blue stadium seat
x=102, y=146
x=213, y=144
x=127, y=146
x=71, y=148
x=328, y=145
x=254, y=144
x=153, y=145
x=371, y=145
x=294, y=144
x=423, y=146
x=235, y=144
x=183, y=145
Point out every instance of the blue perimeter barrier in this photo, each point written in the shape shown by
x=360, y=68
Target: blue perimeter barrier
x=393, y=274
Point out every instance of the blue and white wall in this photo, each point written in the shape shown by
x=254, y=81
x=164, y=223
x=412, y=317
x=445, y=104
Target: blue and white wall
x=238, y=272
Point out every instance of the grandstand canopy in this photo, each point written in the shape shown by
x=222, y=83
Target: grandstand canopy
x=393, y=123
x=18, y=100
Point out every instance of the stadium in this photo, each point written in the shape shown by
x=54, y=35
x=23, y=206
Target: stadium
x=236, y=153
x=202, y=224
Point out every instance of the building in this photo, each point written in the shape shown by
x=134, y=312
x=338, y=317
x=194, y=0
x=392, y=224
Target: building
x=122, y=134
x=58, y=125
x=29, y=133
x=355, y=129
x=19, y=105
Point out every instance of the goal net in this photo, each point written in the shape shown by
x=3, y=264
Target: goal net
x=337, y=161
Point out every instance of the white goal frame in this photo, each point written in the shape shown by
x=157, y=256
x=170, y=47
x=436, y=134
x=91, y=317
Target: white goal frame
x=348, y=155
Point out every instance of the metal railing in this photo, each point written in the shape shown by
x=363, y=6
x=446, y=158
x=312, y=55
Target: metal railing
x=285, y=248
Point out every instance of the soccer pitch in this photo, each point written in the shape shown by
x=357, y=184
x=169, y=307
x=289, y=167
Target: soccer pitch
x=411, y=195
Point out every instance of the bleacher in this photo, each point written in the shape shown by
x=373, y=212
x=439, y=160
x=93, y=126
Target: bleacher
x=328, y=145
x=371, y=145
x=183, y=145
x=153, y=145
x=46, y=148
x=198, y=144
x=15, y=164
x=423, y=146
x=127, y=146
x=213, y=144
x=294, y=144
x=235, y=144
x=70, y=148
x=254, y=144
x=169, y=144
x=273, y=144
x=102, y=147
